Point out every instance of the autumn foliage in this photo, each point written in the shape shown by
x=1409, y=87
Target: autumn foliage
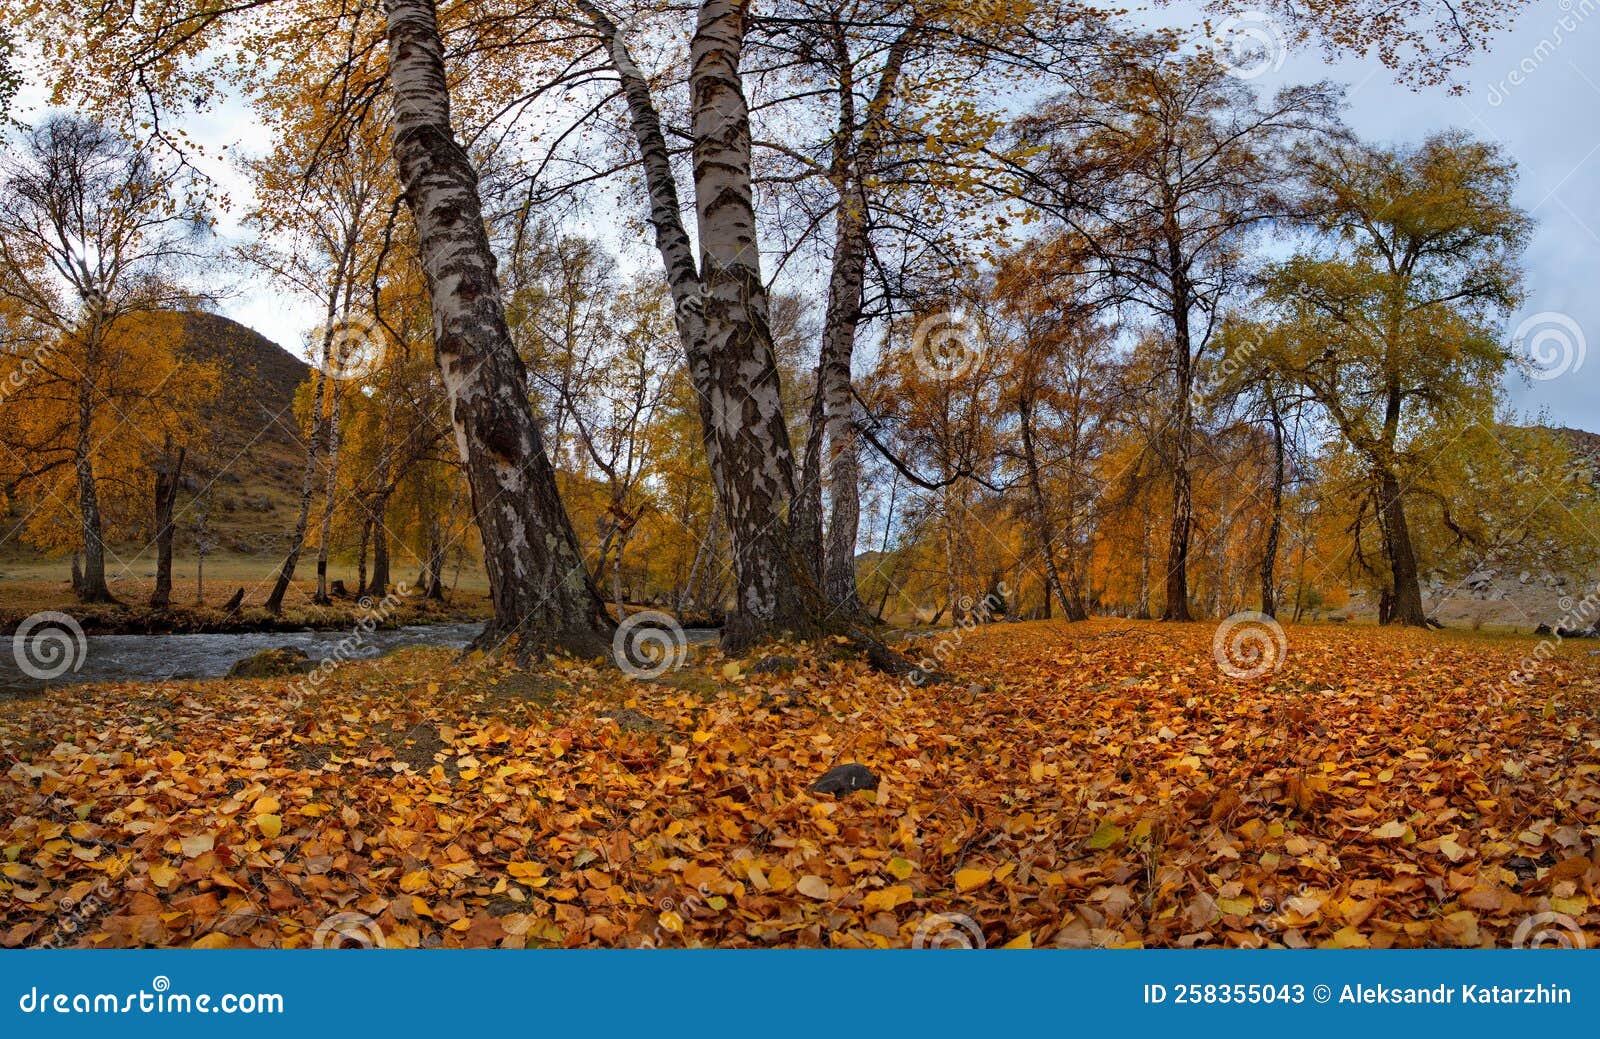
x=1099, y=784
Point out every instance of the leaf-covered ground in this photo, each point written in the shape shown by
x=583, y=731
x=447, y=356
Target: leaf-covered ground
x=1101, y=784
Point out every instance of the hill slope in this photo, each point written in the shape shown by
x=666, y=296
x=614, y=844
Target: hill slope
x=248, y=466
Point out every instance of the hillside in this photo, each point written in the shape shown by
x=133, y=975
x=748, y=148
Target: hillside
x=244, y=465
x=249, y=464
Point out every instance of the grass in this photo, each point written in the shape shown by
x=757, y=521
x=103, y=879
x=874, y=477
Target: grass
x=32, y=584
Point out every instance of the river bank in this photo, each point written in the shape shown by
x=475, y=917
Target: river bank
x=129, y=618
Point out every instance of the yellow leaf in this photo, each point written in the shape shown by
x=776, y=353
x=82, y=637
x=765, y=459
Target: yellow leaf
x=1108, y=834
x=1349, y=938
x=812, y=887
x=887, y=899
x=900, y=868
x=1021, y=941
x=416, y=880
x=162, y=875
x=213, y=941
x=672, y=922
x=271, y=825
x=1389, y=831
x=198, y=845
x=1451, y=850
x=1236, y=906
x=971, y=879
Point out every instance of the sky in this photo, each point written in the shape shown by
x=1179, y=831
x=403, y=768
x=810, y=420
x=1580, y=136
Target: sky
x=1535, y=90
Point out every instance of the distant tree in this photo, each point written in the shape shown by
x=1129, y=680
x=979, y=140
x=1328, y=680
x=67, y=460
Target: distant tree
x=1164, y=170
x=94, y=234
x=1389, y=318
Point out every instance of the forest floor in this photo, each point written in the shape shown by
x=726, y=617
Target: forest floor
x=31, y=585
x=1099, y=784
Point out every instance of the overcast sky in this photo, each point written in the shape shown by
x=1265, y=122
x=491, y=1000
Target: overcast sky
x=1536, y=91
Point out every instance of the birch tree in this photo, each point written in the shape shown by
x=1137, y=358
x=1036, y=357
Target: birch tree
x=94, y=233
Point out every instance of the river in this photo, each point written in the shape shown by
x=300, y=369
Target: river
x=155, y=658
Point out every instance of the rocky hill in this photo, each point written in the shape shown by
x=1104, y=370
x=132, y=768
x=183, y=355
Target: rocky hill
x=247, y=469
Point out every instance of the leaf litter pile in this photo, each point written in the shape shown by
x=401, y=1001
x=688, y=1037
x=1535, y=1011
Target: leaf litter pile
x=1101, y=785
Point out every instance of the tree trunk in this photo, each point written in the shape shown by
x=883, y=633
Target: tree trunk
x=433, y=567
x=845, y=288
x=169, y=469
x=722, y=323
x=379, y=583
x=330, y=498
x=952, y=583
x=753, y=462
x=361, y=556
x=308, y=478
x=805, y=512
x=1044, y=529
x=541, y=589
x=853, y=163
x=1142, y=610
x=92, y=584
x=1406, y=590
x=1269, y=553
x=1176, y=607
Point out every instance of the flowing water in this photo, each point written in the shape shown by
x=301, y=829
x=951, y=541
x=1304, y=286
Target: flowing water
x=154, y=658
